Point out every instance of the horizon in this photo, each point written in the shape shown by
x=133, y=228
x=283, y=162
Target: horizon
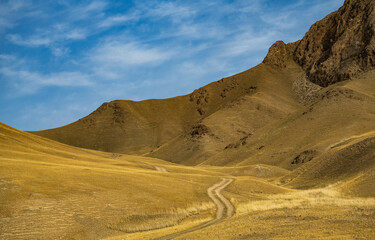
x=60, y=61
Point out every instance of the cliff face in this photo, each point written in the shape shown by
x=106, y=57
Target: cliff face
x=339, y=46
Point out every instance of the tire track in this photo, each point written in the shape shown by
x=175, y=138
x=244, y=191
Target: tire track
x=214, y=192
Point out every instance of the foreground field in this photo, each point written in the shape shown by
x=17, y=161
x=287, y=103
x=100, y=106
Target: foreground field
x=53, y=191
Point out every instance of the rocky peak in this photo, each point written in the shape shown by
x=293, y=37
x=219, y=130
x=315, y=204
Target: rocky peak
x=339, y=46
x=278, y=53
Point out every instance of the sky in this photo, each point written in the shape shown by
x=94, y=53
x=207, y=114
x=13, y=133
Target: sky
x=60, y=60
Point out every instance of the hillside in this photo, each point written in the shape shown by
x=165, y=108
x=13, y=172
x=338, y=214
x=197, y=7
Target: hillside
x=139, y=127
x=272, y=99
x=212, y=124
x=49, y=190
x=229, y=109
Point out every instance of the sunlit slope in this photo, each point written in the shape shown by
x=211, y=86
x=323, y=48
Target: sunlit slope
x=127, y=126
x=139, y=127
x=271, y=98
x=49, y=190
x=350, y=163
x=340, y=112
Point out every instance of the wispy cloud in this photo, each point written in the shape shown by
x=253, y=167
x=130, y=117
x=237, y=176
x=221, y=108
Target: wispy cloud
x=49, y=37
x=118, y=20
x=173, y=10
x=28, y=82
x=126, y=54
x=85, y=11
x=10, y=13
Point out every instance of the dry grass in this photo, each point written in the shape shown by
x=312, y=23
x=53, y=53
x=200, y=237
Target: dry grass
x=308, y=214
x=303, y=199
x=163, y=218
x=77, y=193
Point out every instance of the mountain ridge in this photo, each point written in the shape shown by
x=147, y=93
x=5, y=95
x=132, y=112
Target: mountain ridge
x=226, y=115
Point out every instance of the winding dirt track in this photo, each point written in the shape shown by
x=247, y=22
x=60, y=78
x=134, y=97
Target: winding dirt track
x=214, y=192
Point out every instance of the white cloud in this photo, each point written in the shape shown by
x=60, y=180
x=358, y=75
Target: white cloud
x=119, y=54
x=118, y=20
x=281, y=21
x=243, y=44
x=86, y=11
x=31, y=42
x=7, y=57
x=18, y=4
x=10, y=13
x=29, y=82
x=173, y=10
x=48, y=37
x=60, y=51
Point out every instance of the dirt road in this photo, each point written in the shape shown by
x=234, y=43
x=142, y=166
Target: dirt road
x=214, y=192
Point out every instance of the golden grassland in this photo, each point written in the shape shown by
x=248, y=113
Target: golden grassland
x=49, y=190
x=76, y=191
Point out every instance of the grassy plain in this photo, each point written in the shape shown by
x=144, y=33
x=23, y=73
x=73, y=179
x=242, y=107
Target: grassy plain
x=49, y=190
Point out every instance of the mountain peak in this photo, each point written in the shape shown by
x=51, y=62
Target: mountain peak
x=339, y=46
x=278, y=53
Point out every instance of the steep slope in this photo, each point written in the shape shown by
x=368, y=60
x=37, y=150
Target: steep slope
x=341, y=45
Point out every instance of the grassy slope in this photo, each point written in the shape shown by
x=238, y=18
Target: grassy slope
x=127, y=126
x=77, y=192
x=271, y=98
x=350, y=164
x=139, y=127
x=310, y=131
x=49, y=190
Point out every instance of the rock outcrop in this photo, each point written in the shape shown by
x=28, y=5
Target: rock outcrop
x=339, y=46
x=278, y=53
x=335, y=48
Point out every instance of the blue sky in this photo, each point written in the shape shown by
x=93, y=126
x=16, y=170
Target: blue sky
x=60, y=60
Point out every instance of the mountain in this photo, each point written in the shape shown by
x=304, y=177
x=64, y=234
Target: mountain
x=303, y=98
x=340, y=46
x=285, y=150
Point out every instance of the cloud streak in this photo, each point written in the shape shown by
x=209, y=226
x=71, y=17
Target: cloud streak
x=121, y=54
x=30, y=82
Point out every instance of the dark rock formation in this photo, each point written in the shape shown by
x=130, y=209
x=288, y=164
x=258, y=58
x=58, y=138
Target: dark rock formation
x=339, y=46
x=335, y=48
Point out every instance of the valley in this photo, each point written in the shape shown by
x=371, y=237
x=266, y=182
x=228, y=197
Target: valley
x=284, y=150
